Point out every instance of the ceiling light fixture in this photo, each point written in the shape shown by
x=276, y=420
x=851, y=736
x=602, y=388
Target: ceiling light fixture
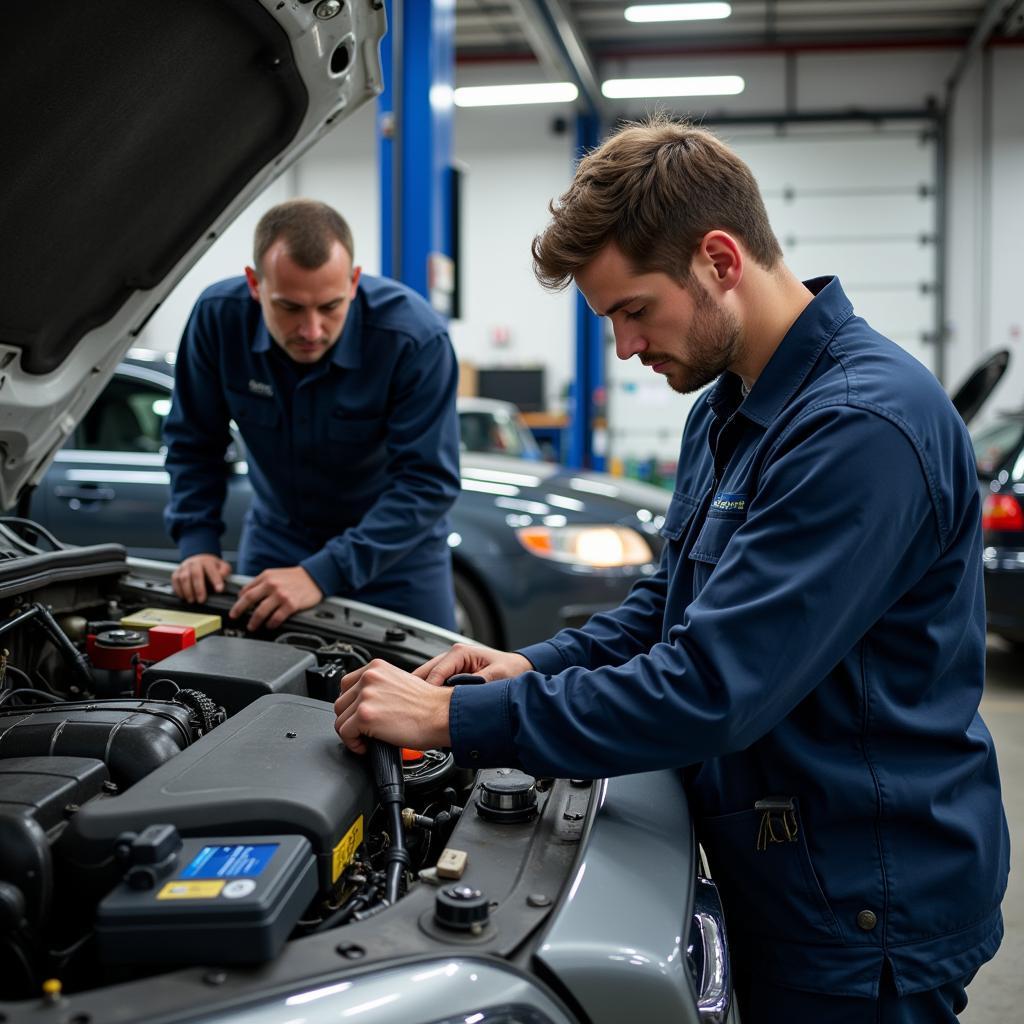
x=514, y=95
x=677, y=12
x=644, y=88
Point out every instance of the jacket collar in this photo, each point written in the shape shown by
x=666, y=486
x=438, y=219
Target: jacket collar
x=792, y=361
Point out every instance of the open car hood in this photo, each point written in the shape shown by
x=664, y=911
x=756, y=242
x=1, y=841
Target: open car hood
x=975, y=391
x=133, y=135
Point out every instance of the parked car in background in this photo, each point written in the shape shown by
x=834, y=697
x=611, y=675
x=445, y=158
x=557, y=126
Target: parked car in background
x=999, y=457
x=535, y=546
x=495, y=427
x=999, y=451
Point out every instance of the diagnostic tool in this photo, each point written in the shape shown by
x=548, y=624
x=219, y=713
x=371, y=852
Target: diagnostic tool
x=224, y=900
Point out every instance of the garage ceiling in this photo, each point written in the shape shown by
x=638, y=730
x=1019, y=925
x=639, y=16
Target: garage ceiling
x=488, y=30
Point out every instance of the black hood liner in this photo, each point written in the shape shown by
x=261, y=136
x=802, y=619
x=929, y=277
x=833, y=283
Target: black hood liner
x=971, y=396
x=127, y=129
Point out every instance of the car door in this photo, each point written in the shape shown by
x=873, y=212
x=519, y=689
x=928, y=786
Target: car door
x=108, y=483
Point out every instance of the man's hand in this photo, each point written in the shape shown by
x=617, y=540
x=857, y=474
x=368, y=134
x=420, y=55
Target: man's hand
x=476, y=660
x=274, y=595
x=382, y=701
x=189, y=579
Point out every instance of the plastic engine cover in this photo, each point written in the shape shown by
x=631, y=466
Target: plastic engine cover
x=277, y=767
x=234, y=671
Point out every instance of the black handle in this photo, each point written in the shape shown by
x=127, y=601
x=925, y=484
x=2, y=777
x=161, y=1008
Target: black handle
x=387, y=771
x=464, y=679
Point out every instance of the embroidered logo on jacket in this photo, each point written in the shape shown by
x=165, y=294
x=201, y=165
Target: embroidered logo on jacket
x=729, y=502
x=257, y=387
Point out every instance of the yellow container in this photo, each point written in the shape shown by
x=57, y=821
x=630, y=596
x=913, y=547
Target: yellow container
x=150, y=617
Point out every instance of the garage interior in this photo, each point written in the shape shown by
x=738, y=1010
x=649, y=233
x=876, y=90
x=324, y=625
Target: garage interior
x=887, y=137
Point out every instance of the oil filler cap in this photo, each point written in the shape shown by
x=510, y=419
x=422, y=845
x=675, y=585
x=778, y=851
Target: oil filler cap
x=507, y=795
x=461, y=909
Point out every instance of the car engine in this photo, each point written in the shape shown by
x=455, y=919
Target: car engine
x=153, y=757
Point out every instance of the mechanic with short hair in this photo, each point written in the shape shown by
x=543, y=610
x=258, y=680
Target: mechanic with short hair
x=812, y=647
x=343, y=388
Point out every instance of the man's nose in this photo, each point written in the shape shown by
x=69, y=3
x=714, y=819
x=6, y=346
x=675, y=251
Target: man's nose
x=628, y=341
x=311, y=325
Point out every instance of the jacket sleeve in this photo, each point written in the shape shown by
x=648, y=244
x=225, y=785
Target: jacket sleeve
x=197, y=435
x=842, y=524
x=423, y=465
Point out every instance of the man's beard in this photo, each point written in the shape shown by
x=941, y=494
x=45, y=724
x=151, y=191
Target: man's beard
x=711, y=346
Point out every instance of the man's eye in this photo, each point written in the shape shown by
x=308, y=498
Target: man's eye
x=636, y=313
x=330, y=307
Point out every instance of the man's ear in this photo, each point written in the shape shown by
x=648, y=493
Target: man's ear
x=357, y=272
x=723, y=258
x=253, y=282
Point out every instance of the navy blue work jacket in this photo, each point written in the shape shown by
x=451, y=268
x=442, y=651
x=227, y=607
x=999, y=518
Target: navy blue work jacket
x=356, y=459
x=815, y=634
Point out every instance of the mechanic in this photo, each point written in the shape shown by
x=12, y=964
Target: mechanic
x=812, y=647
x=343, y=388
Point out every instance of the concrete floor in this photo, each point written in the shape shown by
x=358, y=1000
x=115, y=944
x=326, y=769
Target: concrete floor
x=996, y=995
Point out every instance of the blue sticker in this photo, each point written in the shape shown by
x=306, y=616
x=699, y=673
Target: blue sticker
x=230, y=861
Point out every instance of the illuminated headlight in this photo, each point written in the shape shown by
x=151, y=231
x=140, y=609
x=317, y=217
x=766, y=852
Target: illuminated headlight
x=596, y=546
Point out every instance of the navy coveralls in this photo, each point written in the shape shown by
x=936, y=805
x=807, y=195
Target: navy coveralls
x=815, y=632
x=354, y=461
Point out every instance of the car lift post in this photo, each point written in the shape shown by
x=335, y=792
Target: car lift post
x=414, y=133
x=587, y=432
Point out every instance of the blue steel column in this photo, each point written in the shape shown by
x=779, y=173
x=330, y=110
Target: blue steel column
x=588, y=389
x=415, y=138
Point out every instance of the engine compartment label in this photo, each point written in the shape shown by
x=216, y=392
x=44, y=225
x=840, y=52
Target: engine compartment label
x=346, y=849
x=230, y=861
x=190, y=890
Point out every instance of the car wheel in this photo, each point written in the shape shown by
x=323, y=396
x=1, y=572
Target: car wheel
x=473, y=617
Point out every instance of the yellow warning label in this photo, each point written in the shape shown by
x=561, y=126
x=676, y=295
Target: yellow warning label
x=149, y=617
x=191, y=890
x=346, y=849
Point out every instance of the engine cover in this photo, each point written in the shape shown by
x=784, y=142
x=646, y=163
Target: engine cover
x=277, y=767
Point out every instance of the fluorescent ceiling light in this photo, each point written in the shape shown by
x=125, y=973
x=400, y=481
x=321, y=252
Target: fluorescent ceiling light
x=677, y=12
x=512, y=95
x=641, y=88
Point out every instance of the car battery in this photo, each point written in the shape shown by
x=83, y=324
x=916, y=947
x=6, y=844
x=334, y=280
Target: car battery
x=234, y=671
x=223, y=900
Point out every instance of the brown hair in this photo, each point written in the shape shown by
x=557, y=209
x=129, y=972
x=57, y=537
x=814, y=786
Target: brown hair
x=309, y=229
x=654, y=189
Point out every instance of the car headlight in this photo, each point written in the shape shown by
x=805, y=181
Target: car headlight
x=598, y=546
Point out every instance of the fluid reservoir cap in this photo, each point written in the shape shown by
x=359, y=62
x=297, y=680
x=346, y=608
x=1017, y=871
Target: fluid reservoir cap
x=462, y=909
x=507, y=795
x=121, y=638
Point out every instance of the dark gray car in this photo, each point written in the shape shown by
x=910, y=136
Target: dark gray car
x=536, y=546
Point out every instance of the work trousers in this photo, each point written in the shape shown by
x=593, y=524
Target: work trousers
x=762, y=1002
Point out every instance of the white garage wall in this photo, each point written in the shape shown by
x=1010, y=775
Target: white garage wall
x=515, y=163
x=999, y=310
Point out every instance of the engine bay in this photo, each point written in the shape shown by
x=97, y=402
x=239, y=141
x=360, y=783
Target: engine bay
x=173, y=794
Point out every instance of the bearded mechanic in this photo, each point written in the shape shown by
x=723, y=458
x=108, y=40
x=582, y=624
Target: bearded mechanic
x=811, y=649
x=343, y=389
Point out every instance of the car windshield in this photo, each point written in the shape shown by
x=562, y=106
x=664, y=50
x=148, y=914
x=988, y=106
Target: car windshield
x=997, y=443
x=495, y=431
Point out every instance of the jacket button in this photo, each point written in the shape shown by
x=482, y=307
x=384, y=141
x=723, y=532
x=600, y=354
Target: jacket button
x=866, y=920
